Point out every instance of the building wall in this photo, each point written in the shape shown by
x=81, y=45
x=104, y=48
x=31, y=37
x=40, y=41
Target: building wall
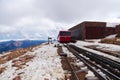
x=110, y=31
x=78, y=31
x=95, y=24
x=117, y=30
x=95, y=32
x=89, y=30
x=75, y=33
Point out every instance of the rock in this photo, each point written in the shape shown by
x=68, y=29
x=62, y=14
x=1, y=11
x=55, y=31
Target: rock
x=17, y=78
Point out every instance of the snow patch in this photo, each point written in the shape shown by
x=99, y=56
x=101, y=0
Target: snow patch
x=45, y=65
x=110, y=47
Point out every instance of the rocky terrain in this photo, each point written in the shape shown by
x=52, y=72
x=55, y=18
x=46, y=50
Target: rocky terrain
x=40, y=62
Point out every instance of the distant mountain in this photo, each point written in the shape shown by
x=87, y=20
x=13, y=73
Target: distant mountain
x=12, y=45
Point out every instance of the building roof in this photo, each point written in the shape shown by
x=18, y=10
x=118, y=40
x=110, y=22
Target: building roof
x=87, y=22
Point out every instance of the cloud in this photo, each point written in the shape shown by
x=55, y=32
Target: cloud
x=6, y=29
x=34, y=16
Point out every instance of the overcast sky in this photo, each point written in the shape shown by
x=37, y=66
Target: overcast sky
x=35, y=15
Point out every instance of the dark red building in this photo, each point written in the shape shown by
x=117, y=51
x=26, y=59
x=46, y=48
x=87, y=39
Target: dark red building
x=89, y=30
x=109, y=31
x=117, y=29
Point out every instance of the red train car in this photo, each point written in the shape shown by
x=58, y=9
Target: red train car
x=64, y=36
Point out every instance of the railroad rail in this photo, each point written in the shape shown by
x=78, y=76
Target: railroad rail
x=109, y=67
x=72, y=70
x=116, y=54
x=64, y=55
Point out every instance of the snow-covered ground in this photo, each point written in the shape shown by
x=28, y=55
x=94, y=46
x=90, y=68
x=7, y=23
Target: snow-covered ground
x=101, y=45
x=104, y=46
x=46, y=65
x=111, y=36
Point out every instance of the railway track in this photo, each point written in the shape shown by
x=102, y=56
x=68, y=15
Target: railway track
x=68, y=65
x=72, y=70
x=96, y=62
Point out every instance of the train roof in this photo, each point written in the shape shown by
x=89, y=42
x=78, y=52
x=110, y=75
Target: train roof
x=64, y=31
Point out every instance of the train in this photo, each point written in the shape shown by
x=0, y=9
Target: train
x=65, y=37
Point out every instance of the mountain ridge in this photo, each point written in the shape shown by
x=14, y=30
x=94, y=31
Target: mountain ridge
x=12, y=45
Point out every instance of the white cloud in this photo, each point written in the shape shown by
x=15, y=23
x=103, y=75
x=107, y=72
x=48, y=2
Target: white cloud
x=36, y=16
x=6, y=29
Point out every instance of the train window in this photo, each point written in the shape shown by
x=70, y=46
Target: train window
x=68, y=33
x=65, y=33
